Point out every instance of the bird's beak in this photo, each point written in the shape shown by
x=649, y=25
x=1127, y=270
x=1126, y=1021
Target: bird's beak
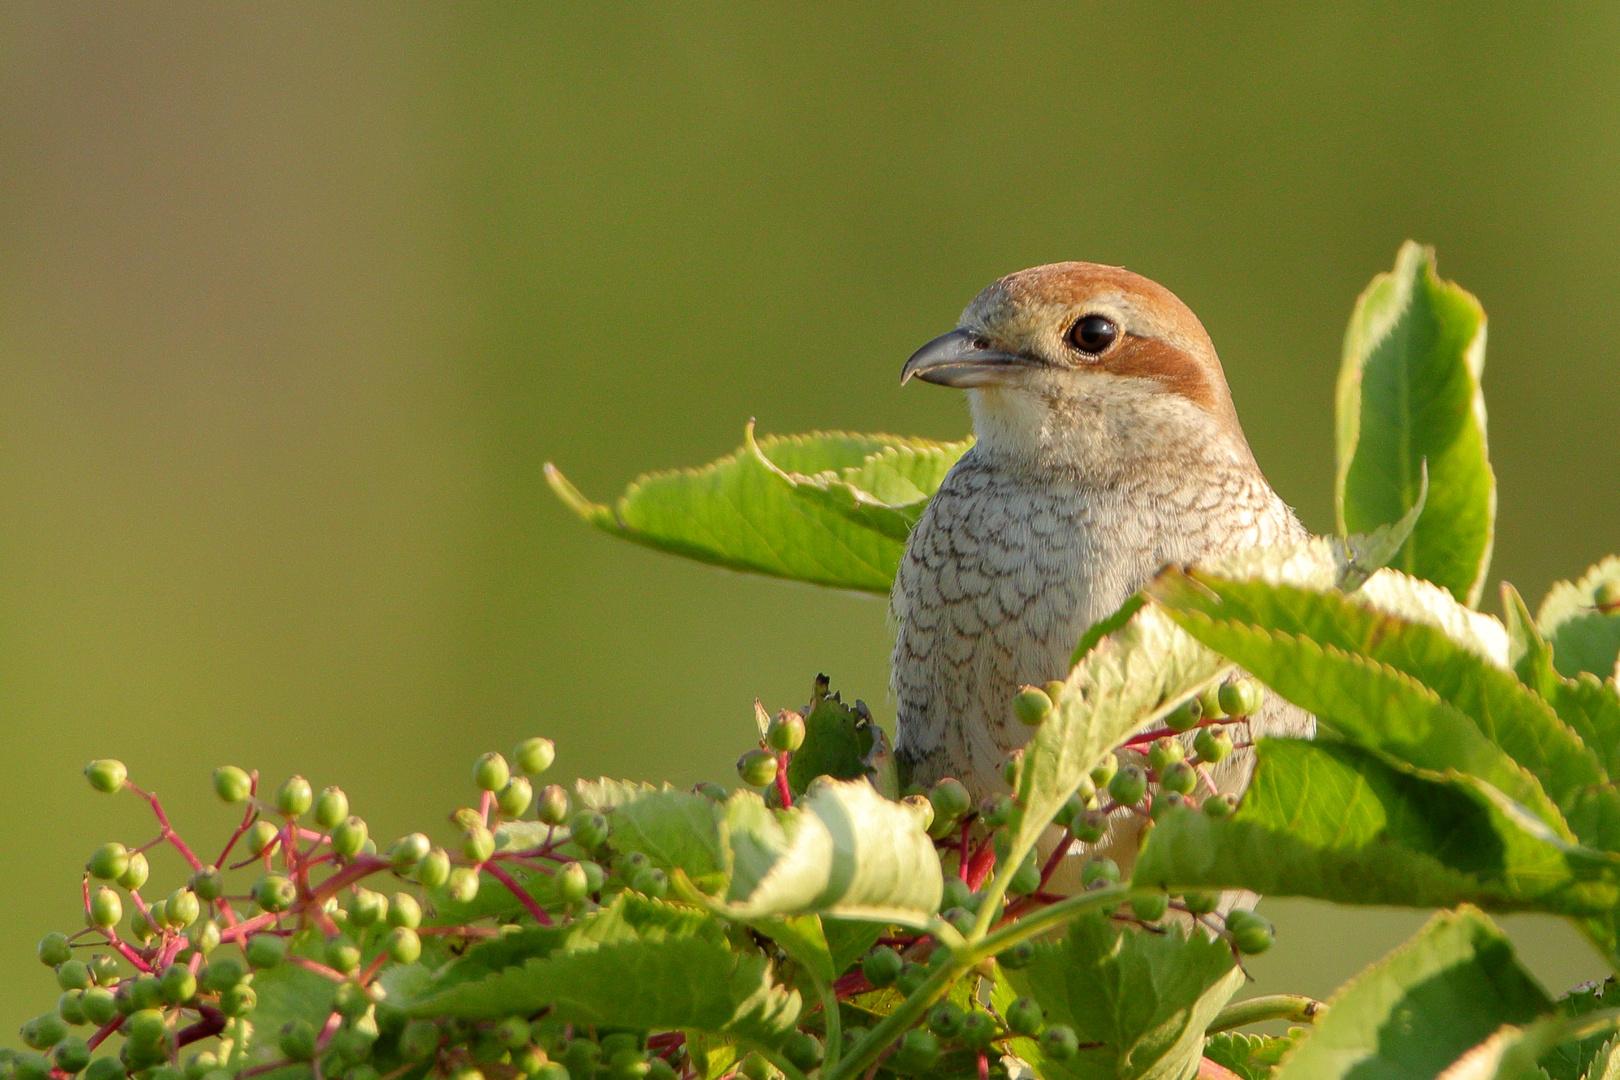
x=956, y=359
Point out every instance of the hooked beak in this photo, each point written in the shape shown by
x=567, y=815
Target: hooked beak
x=956, y=359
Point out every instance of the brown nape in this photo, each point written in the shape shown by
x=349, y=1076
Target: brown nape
x=1178, y=371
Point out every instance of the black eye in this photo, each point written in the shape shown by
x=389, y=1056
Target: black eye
x=1093, y=334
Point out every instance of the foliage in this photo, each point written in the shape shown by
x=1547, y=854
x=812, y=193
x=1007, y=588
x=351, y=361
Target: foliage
x=818, y=921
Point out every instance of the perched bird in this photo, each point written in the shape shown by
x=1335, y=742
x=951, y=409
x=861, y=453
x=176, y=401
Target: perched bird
x=1107, y=448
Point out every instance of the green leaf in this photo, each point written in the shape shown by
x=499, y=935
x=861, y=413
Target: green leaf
x=1510, y=1053
x=849, y=939
x=1251, y=1057
x=1368, y=553
x=1574, y=1059
x=1141, y=999
x=636, y=964
x=1409, y=393
x=844, y=850
x=1422, y=1007
x=1589, y=706
x=1583, y=637
x=1334, y=822
x=605, y=795
x=837, y=739
x=1401, y=688
x=1605, y=1064
x=675, y=829
x=785, y=506
x=805, y=942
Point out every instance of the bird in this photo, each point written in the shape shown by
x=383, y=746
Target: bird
x=1106, y=447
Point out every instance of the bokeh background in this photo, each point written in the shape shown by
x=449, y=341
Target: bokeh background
x=296, y=300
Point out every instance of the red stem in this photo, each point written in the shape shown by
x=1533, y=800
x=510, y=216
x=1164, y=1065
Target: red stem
x=782, y=788
x=318, y=968
x=165, y=828
x=984, y=861
x=1053, y=860
x=103, y=1032
x=520, y=892
x=962, y=852
x=212, y=1023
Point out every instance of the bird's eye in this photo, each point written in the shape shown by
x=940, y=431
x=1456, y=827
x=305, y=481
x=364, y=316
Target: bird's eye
x=1093, y=334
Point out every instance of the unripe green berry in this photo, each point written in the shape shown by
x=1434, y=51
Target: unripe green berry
x=104, y=969
x=407, y=851
x=204, y=936
x=1212, y=744
x=945, y=1019
x=786, y=732
x=106, y=775
x=331, y=807
x=108, y=861
x=572, y=884
x=72, y=1054
x=534, y=756
x=105, y=1068
x=1099, y=871
x=157, y=916
x=1167, y=802
x=978, y=1030
x=1016, y=956
x=1179, y=777
x=208, y=884
x=1165, y=752
x=73, y=975
x=1055, y=690
x=434, y=869
x=478, y=844
x=961, y=918
x=581, y=1057
x=294, y=797
x=403, y=945
x=1090, y=826
x=1209, y=702
x=1606, y=597
x=882, y=966
x=1012, y=767
x=1024, y=1017
x=1201, y=903
x=403, y=910
x=136, y=871
x=225, y=972
x=177, y=984
x=274, y=893
x=462, y=884
x=99, y=1005
x=1184, y=717
x=1060, y=1043
x=181, y=909
x=1150, y=908
x=912, y=976
x=803, y=1050
x=265, y=950
x=239, y=1000
x=44, y=1032
x=515, y=797
x=261, y=836
x=54, y=949
x=200, y=1064
x=232, y=784
x=419, y=1040
x=343, y=955
x=1027, y=878
x=1220, y=806
x=917, y=1054
x=1105, y=770
x=1032, y=706
x=651, y=881
x=1128, y=785
x=589, y=829
x=70, y=1007
x=997, y=811
x=490, y=772
x=553, y=807
x=1242, y=697
x=757, y=768
x=297, y=1040
x=146, y=1026
x=105, y=908
x=367, y=907
x=349, y=837
x=1251, y=933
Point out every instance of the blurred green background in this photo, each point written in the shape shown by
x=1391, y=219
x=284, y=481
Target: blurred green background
x=295, y=301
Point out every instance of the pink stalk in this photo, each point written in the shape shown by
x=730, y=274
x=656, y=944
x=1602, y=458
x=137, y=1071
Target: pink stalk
x=520, y=892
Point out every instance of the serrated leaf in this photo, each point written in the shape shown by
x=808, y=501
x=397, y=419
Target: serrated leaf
x=1605, y=1064
x=1510, y=1053
x=1583, y=636
x=604, y=794
x=636, y=964
x=1588, y=705
x=493, y=898
x=786, y=506
x=804, y=940
x=1419, y=1009
x=1401, y=688
x=1409, y=393
x=1575, y=1059
x=837, y=740
x=1368, y=553
x=1251, y=1057
x=844, y=850
x=675, y=829
x=1139, y=1001
x=286, y=992
x=849, y=939
x=1336, y=822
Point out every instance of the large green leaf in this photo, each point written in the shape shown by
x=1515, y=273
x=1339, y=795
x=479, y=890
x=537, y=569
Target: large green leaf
x=1584, y=637
x=636, y=964
x=1353, y=667
x=1249, y=1057
x=837, y=740
x=1334, y=822
x=1409, y=393
x=1139, y=1000
x=675, y=829
x=1418, y=1010
x=828, y=508
x=1588, y=705
x=1576, y=1058
x=844, y=850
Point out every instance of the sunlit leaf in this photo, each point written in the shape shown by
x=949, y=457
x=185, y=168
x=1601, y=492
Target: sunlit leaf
x=1584, y=636
x=1409, y=393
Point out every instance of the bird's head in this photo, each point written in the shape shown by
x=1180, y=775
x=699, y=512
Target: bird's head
x=1079, y=360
